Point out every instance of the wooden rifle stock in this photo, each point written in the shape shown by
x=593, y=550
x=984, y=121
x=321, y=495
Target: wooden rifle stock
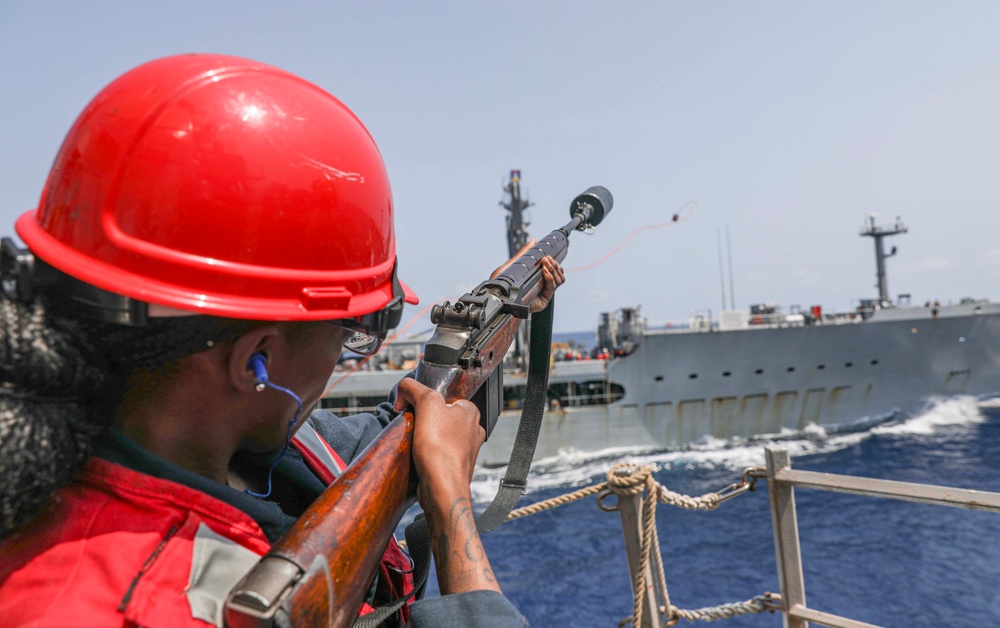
x=320, y=571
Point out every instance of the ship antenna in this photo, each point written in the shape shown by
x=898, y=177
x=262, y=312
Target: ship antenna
x=878, y=233
x=729, y=252
x=722, y=272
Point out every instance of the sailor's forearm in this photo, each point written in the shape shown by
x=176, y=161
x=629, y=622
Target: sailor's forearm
x=462, y=564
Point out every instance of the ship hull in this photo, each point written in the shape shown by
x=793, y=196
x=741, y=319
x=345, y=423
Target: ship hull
x=684, y=387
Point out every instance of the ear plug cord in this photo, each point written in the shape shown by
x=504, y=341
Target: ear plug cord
x=258, y=364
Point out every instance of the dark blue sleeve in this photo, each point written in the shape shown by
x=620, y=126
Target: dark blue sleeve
x=479, y=609
x=351, y=434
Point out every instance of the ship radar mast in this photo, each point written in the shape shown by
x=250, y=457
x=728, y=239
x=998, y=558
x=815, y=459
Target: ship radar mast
x=878, y=233
x=517, y=237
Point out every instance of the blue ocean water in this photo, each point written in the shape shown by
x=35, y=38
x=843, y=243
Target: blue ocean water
x=885, y=562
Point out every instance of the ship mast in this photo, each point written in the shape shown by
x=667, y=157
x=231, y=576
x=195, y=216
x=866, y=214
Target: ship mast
x=878, y=233
x=517, y=237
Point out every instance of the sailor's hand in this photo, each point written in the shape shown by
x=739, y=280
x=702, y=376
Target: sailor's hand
x=446, y=436
x=553, y=276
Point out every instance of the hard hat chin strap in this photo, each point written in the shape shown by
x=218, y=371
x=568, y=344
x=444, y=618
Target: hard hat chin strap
x=379, y=322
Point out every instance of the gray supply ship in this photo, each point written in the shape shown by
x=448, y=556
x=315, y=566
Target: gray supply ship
x=749, y=373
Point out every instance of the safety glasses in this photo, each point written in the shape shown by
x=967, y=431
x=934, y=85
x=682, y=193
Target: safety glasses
x=371, y=329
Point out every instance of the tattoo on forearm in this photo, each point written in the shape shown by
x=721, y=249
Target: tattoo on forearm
x=464, y=519
x=459, y=525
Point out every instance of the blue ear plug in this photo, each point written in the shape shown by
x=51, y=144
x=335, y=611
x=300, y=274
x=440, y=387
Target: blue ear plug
x=258, y=364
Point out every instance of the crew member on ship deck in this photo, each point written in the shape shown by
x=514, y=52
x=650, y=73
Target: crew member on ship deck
x=213, y=231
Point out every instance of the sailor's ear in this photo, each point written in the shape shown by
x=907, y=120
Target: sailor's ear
x=259, y=340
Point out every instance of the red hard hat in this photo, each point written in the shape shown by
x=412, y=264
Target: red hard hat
x=223, y=186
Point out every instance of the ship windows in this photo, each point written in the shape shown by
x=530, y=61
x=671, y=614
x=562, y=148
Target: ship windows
x=693, y=376
x=658, y=378
x=569, y=394
x=790, y=369
x=820, y=367
x=874, y=362
x=726, y=373
x=848, y=364
x=759, y=371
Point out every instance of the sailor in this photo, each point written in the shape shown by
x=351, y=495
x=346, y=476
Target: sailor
x=213, y=231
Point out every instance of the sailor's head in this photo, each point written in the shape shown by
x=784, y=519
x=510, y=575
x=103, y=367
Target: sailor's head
x=216, y=186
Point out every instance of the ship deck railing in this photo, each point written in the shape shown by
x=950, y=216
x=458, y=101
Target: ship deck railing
x=704, y=324
x=782, y=480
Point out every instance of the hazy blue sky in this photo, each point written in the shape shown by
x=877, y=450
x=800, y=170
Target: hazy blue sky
x=788, y=122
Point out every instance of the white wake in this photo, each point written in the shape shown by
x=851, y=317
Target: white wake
x=575, y=469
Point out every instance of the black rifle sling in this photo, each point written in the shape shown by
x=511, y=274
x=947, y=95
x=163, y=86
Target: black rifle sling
x=418, y=544
x=515, y=479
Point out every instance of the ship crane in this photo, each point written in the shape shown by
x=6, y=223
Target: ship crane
x=878, y=233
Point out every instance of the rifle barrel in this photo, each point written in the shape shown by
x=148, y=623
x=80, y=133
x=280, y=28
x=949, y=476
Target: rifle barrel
x=321, y=569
